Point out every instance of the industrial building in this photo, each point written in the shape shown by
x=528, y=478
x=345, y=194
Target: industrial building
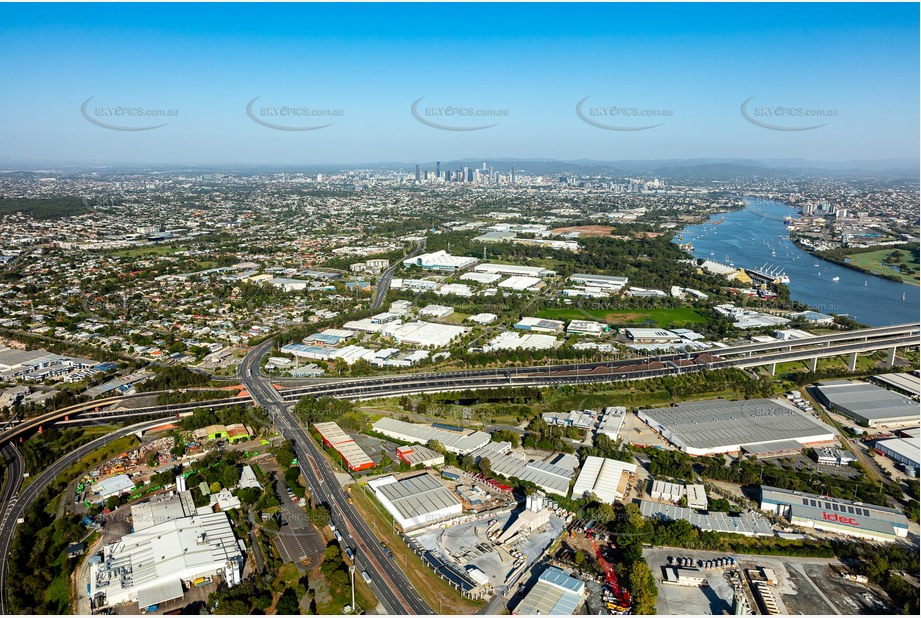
x=515, y=341
x=902, y=450
x=161, y=509
x=746, y=524
x=611, y=421
x=867, y=404
x=483, y=318
x=420, y=456
x=832, y=456
x=697, y=497
x=440, y=261
x=436, y=312
x=353, y=455
x=605, y=282
x=651, y=335
x=459, y=443
x=417, y=500
x=856, y=519
x=555, y=594
x=586, y=327
x=539, y=325
x=112, y=486
x=606, y=478
x=580, y=419
x=684, y=576
x=906, y=383
x=719, y=426
x=150, y=566
x=425, y=334
x=513, y=269
x=666, y=490
x=518, y=283
x=552, y=477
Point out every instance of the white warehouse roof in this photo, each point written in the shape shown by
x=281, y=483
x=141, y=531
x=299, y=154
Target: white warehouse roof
x=606, y=478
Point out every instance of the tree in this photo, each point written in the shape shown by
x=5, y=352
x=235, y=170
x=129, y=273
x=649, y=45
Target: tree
x=215, y=487
x=287, y=604
x=153, y=460
x=642, y=586
x=319, y=515
x=485, y=466
x=230, y=476
x=580, y=558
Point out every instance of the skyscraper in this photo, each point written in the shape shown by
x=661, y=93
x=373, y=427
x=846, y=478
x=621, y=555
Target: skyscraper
x=418, y=172
x=437, y=169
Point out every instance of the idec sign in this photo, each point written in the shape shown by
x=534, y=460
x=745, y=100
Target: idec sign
x=839, y=518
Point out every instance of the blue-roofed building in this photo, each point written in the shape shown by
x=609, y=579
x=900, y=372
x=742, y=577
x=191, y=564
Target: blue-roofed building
x=556, y=593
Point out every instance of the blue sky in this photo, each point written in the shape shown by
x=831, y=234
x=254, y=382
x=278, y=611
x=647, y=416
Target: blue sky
x=856, y=63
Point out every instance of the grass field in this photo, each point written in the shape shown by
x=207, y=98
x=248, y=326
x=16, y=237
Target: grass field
x=440, y=596
x=660, y=317
x=873, y=261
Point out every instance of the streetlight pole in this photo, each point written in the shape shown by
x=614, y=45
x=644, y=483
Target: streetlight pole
x=352, y=573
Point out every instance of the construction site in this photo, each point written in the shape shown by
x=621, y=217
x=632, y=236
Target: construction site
x=497, y=548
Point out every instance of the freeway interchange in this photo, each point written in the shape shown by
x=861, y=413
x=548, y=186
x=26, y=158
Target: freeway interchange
x=391, y=586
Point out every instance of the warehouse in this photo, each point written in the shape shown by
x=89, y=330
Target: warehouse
x=436, y=312
x=420, y=456
x=554, y=594
x=112, y=486
x=459, y=443
x=719, y=426
x=512, y=269
x=697, y=497
x=586, y=327
x=520, y=283
x=483, y=318
x=747, y=524
x=425, y=334
x=580, y=419
x=906, y=383
x=417, y=500
x=664, y=490
x=514, y=341
x=150, y=566
x=651, y=335
x=441, y=261
x=353, y=455
x=479, y=277
x=867, y=404
x=552, y=477
x=605, y=282
x=611, y=422
x=606, y=478
x=539, y=325
x=856, y=519
x=903, y=450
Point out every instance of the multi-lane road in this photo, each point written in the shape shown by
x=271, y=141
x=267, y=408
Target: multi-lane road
x=383, y=282
x=390, y=584
x=18, y=505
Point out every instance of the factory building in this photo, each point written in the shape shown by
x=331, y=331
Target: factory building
x=440, y=261
x=867, y=404
x=353, y=455
x=152, y=565
x=902, y=450
x=417, y=500
x=697, y=497
x=831, y=456
x=555, y=594
x=611, y=421
x=746, y=524
x=513, y=269
x=605, y=282
x=856, y=519
x=420, y=456
x=552, y=477
x=112, y=486
x=580, y=419
x=606, y=478
x=719, y=426
x=651, y=335
x=459, y=443
x=665, y=490
x=908, y=384
x=586, y=327
x=539, y=325
x=425, y=334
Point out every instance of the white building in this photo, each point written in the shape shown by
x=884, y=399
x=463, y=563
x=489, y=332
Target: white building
x=150, y=566
x=436, y=312
x=514, y=341
x=697, y=497
x=441, y=261
x=483, y=318
x=425, y=334
x=606, y=478
x=514, y=269
x=417, y=500
x=586, y=327
x=539, y=325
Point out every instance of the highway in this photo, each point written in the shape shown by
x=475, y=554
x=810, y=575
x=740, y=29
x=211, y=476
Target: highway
x=12, y=475
x=383, y=282
x=17, y=507
x=390, y=584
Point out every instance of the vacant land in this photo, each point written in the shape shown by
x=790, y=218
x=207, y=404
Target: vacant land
x=674, y=317
x=874, y=261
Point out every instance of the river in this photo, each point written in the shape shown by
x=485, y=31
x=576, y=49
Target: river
x=757, y=236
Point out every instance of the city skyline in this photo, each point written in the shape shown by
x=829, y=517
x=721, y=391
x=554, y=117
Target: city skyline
x=366, y=83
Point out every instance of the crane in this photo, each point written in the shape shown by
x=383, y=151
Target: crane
x=621, y=594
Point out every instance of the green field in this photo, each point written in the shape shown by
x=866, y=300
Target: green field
x=873, y=262
x=677, y=316
x=148, y=250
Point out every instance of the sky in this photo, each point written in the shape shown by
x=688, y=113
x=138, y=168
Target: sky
x=826, y=82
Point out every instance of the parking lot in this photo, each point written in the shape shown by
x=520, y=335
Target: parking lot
x=804, y=586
